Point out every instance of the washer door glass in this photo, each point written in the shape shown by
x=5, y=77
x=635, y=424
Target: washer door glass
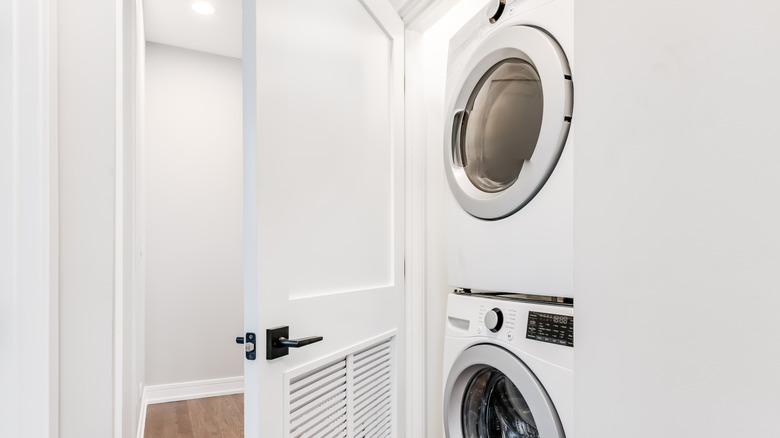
x=490, y=393
x=502, y=121
x=493, y=407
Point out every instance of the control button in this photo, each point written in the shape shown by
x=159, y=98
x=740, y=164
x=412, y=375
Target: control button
x=494, y=319
x=509, y=336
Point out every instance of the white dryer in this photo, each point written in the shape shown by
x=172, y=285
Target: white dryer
x=508, y=149
x=508, y=368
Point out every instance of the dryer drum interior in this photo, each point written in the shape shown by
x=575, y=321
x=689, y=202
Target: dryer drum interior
x=490, y=393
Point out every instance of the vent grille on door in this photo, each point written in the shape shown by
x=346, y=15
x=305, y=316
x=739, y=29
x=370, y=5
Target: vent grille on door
x=318, y=402
x=349, y=397
x=372, y=391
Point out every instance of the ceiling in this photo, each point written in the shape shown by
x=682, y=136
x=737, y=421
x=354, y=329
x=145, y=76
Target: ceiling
x=173, y=22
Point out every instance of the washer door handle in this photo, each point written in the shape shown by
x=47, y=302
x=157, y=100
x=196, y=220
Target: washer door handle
x=460, y=120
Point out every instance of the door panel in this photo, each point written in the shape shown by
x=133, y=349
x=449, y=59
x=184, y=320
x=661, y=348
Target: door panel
x=323, y=207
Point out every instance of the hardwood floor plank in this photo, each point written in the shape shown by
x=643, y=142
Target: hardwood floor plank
x=214, y=417
x=161, y=421
x=183, y=421
x=232, y=419
x=203, y=418
x=239, y=400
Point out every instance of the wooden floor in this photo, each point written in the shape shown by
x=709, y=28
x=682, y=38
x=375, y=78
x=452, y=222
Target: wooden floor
x=214, y=417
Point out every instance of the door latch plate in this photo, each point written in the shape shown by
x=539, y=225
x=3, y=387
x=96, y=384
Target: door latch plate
x=249, y=346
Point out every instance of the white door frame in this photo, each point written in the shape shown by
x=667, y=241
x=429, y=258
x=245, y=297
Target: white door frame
x=415, y=321
x=28, y=220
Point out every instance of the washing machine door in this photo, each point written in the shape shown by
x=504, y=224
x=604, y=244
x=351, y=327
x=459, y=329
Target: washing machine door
x=490, y=393
x=508, y=121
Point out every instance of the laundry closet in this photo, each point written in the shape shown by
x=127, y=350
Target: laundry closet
x=539, y=229
x=670, y=256
x=321, y=198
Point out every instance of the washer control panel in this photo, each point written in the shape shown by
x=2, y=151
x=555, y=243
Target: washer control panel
x=552, y=328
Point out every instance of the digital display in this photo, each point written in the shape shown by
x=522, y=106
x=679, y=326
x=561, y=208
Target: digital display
x=551, y=328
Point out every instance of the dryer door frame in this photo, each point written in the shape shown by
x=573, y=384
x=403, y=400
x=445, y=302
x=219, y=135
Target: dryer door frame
x=533, y=46
x=478, y=357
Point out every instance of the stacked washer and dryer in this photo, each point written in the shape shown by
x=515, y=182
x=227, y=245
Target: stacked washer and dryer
x=509, y=335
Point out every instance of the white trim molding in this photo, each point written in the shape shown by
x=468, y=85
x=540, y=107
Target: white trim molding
x=191, y=390
x=28, y=222
x=29, y=322
x=415, y=409
x=141, y=428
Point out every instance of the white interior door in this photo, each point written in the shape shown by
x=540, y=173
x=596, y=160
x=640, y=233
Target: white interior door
x=324, y=235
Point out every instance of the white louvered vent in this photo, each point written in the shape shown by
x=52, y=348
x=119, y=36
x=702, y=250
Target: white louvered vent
x=372, y=384
x=318, y=402
x=350, y=397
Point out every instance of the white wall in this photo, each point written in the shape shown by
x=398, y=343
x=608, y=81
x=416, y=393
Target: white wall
x=429, y=55
x=676, y=219
x=87, y=62
x=194, y=212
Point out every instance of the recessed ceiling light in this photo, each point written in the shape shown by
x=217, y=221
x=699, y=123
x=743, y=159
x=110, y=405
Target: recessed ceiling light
x=203, y=8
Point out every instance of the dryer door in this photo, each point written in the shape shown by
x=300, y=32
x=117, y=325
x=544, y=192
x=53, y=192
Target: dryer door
x=509, y=119
x=490, y=393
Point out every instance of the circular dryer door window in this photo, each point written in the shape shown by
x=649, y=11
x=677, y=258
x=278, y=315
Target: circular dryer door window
x=490, y=393
x=509, y=121
x=502, y=121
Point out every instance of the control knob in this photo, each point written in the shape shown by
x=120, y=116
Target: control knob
x=495, y=10
x=494, y=319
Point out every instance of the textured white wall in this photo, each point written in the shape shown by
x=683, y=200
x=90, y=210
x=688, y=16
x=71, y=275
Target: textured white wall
x=676, y=219
x=193, y=189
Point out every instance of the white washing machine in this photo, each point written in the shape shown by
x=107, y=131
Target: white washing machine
x=508, y=149
x=508, y=368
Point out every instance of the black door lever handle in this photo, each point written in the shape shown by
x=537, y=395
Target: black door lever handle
x=296, y=343
x=278, y=343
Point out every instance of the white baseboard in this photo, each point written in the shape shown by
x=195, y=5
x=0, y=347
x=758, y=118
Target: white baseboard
x=192, y=390
x=186, y=391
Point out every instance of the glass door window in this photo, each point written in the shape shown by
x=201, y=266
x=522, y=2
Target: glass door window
x=502, y=123
x=493, y=407
x=490, y=393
